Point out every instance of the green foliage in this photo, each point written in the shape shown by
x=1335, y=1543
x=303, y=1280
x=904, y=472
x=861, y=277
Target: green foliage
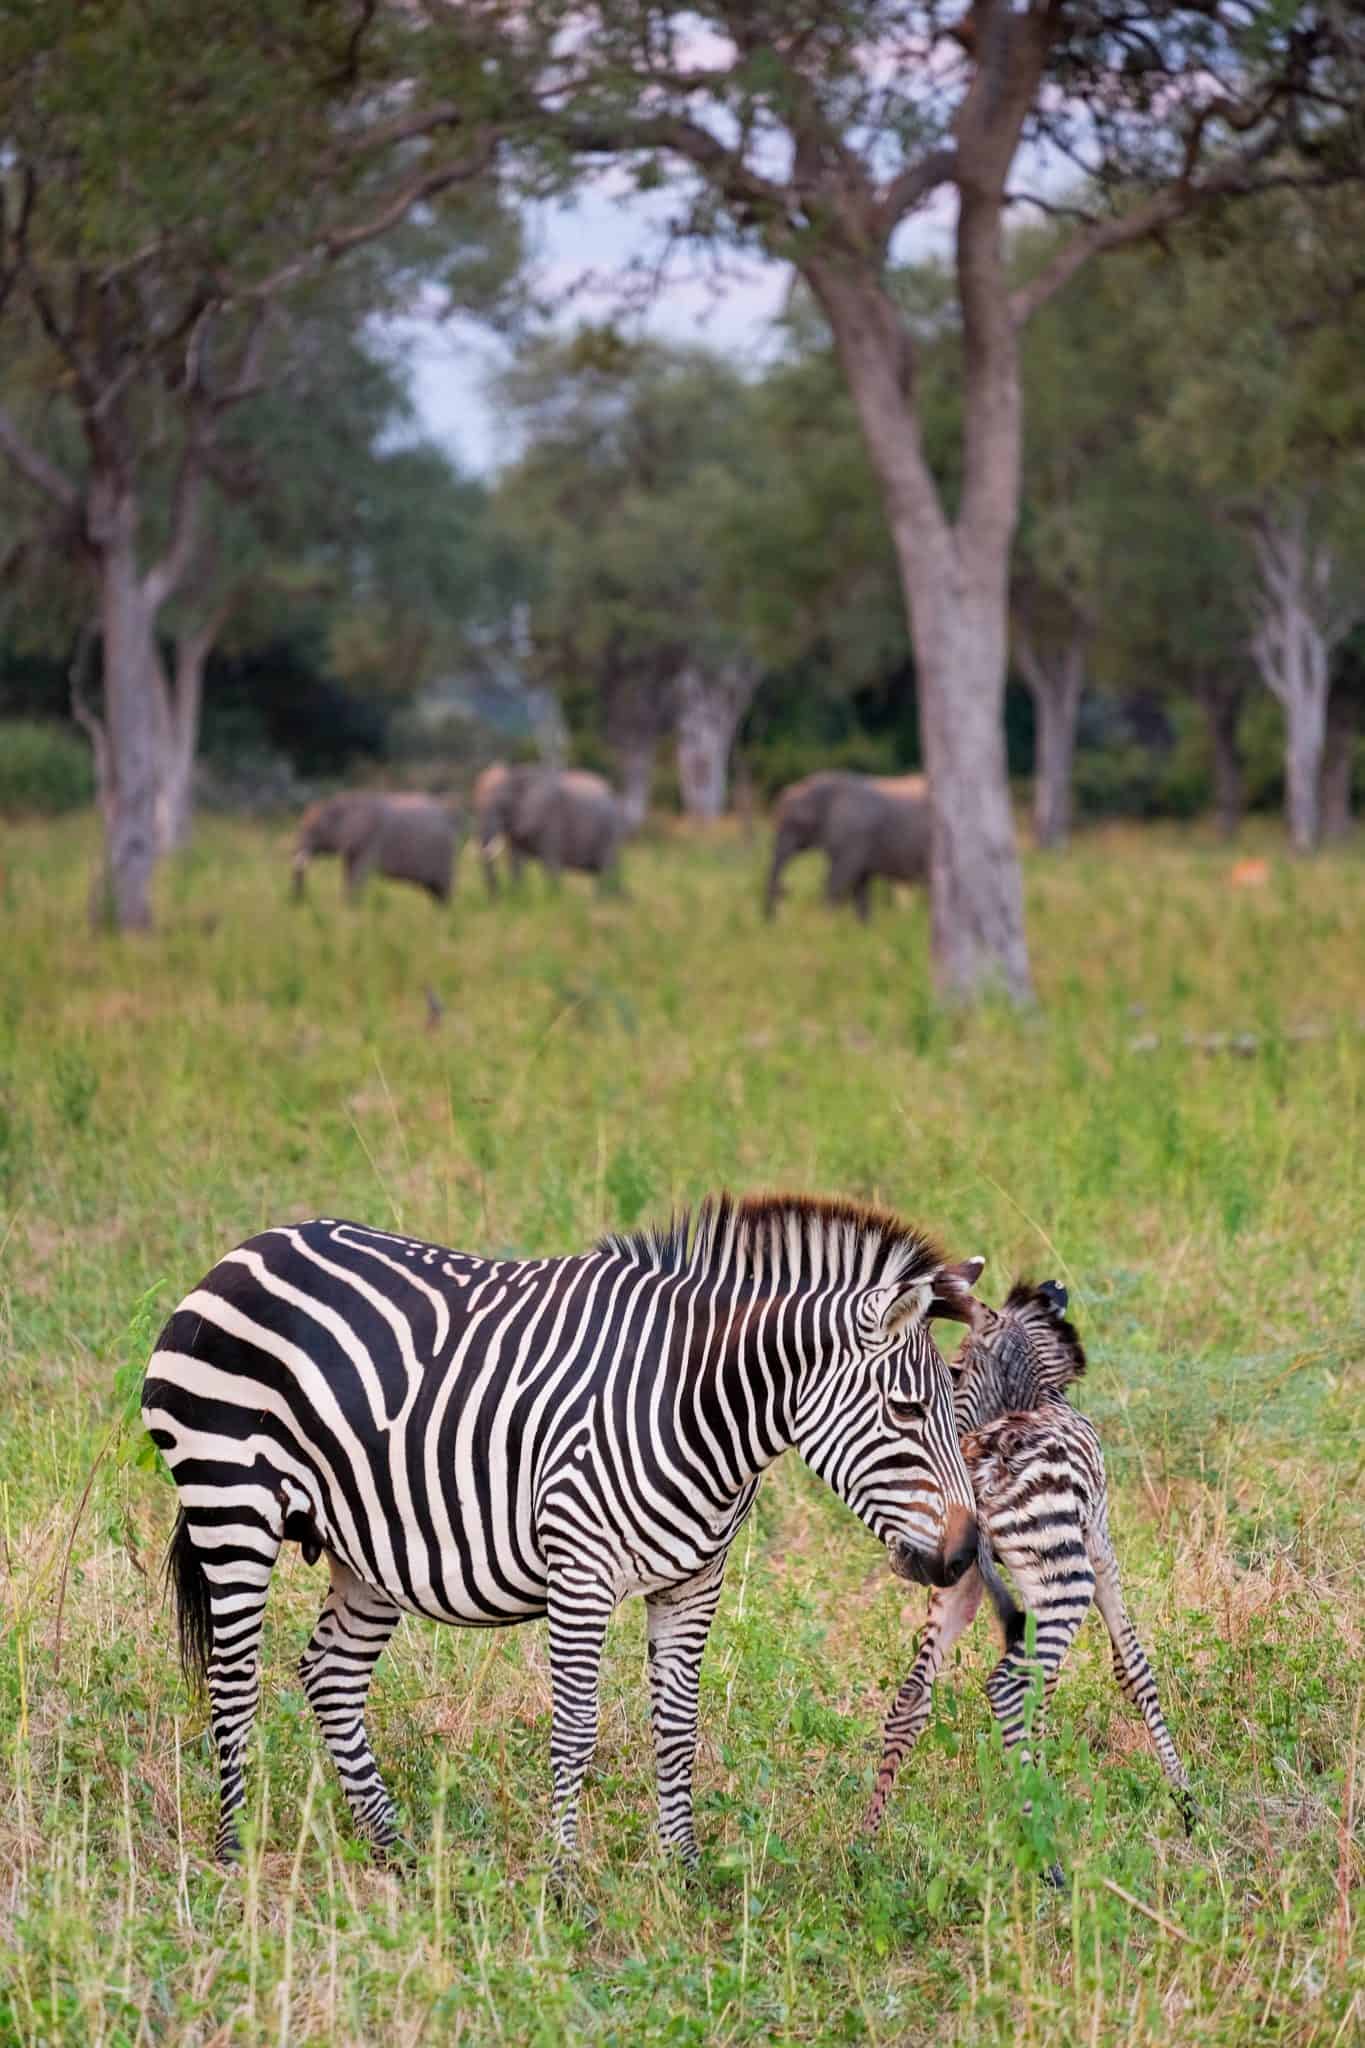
x=598, y=1062
x=44, y=768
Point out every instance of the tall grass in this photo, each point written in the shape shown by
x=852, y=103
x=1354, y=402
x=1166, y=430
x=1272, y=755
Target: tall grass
x=598, y=1061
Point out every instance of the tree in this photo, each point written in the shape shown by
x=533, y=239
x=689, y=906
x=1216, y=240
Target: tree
x=165, y=182
x=641, y=491
x=815, y=134
x=1261, y=338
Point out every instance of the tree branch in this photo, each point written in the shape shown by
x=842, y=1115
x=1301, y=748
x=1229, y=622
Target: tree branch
x=1235, y=177
x=905, y=191
x=165, y=576
x=35, y=468
x=396, y=203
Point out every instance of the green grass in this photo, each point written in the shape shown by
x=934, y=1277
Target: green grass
x=598, y=1061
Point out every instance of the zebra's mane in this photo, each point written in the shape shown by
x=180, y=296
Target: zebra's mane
x=796, y=1234
x=1039, y=1313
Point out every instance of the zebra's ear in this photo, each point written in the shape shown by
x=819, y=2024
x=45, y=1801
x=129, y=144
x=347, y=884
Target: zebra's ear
x=952, y=1296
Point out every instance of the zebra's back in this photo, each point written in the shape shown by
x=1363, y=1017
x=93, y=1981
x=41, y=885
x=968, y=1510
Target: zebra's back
x=384, y=1399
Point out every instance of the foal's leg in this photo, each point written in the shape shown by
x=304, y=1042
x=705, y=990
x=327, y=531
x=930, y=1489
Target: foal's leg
x=1056, y=1590
x=679, y=1623
x=355, y=1624
x=951, y=1610
x=1134, y=1673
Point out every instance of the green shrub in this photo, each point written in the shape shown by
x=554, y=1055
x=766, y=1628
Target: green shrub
x=44, y=768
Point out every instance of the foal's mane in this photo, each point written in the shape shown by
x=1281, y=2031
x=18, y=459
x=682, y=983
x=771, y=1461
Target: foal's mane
x=1029, y=1303
x=798, y=1234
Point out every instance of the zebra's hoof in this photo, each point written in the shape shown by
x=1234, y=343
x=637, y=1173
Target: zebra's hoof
x=1054, y=1877
x=395, y=1856
x=565, y=1890
x=1191, y=1812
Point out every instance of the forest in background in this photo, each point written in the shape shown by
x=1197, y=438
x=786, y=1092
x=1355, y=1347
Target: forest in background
x=1107, y=449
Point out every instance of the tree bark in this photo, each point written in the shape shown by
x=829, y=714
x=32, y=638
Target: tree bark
x=1338, y=765
x=180, y=698
x=956, y=586
x=1299, y=619
x=710, y=707
x=1055, y=683
x=1222, y=708
x=131, y=722
x=636, y=756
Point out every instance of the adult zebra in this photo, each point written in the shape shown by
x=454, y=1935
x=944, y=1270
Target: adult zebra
x=485, y=1441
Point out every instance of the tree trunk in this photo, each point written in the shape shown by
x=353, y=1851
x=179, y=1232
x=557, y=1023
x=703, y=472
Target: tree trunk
x=976, y=889
x=1055, y=683
x=956, y=585
x=1222, y=707
x=130, y=717
x=1338, y=765
x=636, y=756
x=180, y=697
x=710, y=708
x=1296, y=626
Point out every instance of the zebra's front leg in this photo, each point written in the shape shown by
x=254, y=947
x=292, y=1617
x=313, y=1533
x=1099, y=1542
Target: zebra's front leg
x=579, y=1606
x=951, y=1610
x=336, y=1668
x=679, y=1623
x=1134, y=1674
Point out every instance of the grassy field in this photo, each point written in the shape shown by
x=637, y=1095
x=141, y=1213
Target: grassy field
x=596, y=1062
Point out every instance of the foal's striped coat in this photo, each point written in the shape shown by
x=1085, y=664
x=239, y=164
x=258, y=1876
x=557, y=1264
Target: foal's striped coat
x=1043, y=1512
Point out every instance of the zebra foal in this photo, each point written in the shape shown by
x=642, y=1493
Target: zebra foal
x=1043, y=1511
x=485, y=1441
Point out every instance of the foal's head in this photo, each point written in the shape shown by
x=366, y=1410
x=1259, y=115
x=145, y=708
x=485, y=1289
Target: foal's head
x=1017, y=1357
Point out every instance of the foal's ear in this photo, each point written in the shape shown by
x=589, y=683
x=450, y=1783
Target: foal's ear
x=952, y=1296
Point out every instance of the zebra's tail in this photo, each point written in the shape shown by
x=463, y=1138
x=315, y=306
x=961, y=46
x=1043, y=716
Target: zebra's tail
x=1008, y=1612
x=189, y=1587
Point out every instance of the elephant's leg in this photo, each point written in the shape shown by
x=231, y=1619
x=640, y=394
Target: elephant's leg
x=773, y=895
x=359, y=862
x=847, y=871
x=862, y=897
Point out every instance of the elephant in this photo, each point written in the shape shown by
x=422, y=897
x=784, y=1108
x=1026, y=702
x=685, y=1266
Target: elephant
x=409, y=837
x=867, y=825
x=564, y=818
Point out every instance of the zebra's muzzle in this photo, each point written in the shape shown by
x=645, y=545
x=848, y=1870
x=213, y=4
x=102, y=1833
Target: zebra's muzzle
x=944, y=1566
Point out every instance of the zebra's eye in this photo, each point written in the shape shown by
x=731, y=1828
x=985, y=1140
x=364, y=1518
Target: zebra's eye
x=906, y=1413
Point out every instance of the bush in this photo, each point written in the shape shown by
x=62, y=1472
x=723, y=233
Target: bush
x=44, y=767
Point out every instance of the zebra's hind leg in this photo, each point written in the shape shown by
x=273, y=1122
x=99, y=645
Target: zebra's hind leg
x=1134, y=1673
x=679, y=1623
x=336, y=1668
x=1056, y=1588
x=951, y=1610
x=224, y=1560
x=579, y=1605
x=1057, y=1592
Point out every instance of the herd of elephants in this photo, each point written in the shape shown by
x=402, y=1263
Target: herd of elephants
x=568, y=818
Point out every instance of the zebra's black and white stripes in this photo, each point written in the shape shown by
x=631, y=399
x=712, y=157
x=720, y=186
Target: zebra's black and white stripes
x=484, y=1441
x=1043, y=1510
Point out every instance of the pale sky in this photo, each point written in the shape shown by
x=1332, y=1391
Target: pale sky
x=587, y=255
